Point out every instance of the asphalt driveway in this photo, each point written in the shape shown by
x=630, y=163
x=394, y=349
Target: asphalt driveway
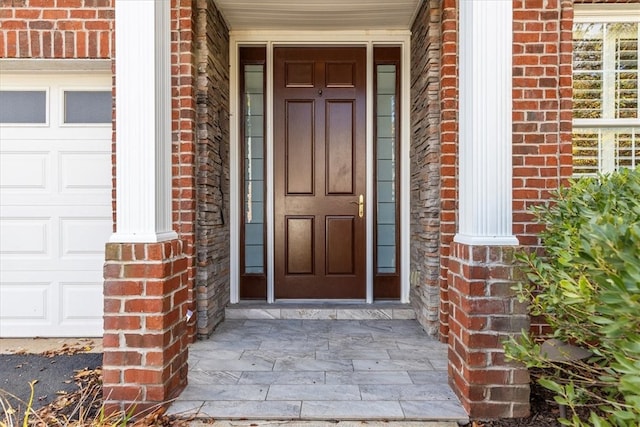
x=54, y=374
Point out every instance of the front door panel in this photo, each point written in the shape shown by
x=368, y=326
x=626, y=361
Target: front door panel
x=320, y=150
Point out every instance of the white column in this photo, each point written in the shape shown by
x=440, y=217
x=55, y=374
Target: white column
x=143, y=121
x=485, y=171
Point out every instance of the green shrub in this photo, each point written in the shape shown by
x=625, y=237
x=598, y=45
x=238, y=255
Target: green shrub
x=587, y=288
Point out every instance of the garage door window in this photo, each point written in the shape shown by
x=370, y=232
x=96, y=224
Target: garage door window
x=87, y=107
x=23, y=106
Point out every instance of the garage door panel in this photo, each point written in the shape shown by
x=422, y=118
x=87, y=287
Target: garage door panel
x=50, y=144
x=93, y=198
x=30, y=309
x=71, y=209
x=25, y=301
x=55, y=213
x=84, y=236
x=26, y=237
x=81, y=302
x=84, y=265
x=85, y=171
x=21, y=171
x=40, y=134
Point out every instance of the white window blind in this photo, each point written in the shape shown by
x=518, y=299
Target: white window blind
x=606, y=113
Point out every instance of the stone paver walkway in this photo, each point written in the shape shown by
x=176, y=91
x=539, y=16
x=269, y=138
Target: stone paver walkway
x=319, y=370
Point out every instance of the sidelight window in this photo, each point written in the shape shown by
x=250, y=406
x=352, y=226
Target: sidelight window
x=387, y=137
x=253, y=236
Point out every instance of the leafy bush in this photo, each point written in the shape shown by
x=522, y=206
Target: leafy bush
x=587, y=288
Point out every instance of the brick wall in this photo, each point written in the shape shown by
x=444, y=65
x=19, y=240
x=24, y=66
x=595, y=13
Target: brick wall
x=56, y=28
x=184, y=128
x=449, y=150
x=484, y=313
x=145, y=338
x=541, y=107
x=542, y=91
x=425, y=164
x=212, y=170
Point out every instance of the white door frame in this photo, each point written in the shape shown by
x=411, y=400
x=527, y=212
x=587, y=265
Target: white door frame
x=367, y=39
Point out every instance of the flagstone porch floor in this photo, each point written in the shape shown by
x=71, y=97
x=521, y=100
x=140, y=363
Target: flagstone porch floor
x=283, y=369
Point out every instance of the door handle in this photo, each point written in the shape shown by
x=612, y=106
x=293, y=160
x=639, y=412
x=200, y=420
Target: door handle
x=360, y=204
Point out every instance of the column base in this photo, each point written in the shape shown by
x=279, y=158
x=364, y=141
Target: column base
x=145, y=329
x=483, y=313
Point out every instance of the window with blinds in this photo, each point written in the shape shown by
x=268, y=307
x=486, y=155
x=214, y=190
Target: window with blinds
x=606, y=119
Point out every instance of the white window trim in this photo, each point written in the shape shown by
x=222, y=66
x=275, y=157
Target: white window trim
x=7, y=87
x=63, y=106
x=301, y=38
x=585, y=13
x=606, y=13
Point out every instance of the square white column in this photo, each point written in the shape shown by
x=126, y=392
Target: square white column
x=485, y=108
x=143, y=121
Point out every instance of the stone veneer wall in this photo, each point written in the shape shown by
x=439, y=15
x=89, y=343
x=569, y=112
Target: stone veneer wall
x=425, y=165
x=212, y=167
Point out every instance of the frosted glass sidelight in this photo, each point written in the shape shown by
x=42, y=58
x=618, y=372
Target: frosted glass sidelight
x=253, y=234
x=386, y=149
x=386, y=259
x=255, y=105
x=386, y=128
x=253, y=164
x=254, y=169
x=254, y=79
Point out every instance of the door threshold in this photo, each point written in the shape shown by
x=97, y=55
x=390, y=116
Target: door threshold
x=320, y=310
x=318, y=301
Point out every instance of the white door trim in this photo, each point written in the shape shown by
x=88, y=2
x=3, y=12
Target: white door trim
x=269, y=39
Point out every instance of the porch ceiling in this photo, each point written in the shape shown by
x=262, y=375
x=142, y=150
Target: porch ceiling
x=319, y=15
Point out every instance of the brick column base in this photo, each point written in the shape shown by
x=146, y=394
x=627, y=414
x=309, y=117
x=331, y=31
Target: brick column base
x=483, y=313
x=145, y=332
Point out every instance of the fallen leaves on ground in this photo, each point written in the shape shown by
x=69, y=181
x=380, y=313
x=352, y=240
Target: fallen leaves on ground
x=84, y=407
x=70, y=349
x=81, y=346
x=75, y=408
x=159, y=418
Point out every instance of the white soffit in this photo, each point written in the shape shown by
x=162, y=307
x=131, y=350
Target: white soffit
x=319, y=15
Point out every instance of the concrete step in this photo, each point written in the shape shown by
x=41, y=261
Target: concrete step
x=320, y=311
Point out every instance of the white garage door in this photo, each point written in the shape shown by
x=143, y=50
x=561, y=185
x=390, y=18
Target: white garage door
x=55, y=203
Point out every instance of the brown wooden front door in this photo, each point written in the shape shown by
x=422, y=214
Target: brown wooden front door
x=319, y=149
